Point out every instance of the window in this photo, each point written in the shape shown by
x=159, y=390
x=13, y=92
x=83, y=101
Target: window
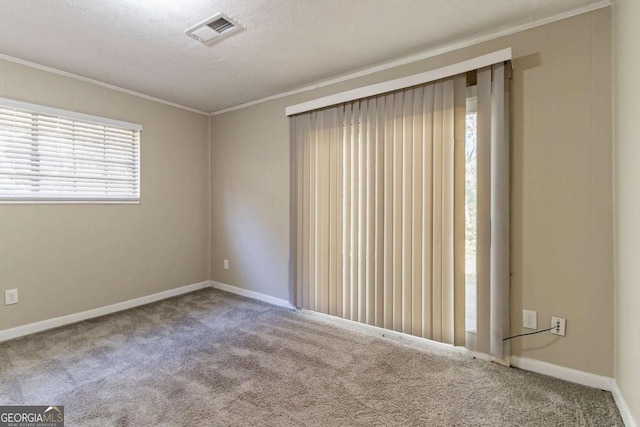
x=53, y=155
x=401, y=209
x=471, y=209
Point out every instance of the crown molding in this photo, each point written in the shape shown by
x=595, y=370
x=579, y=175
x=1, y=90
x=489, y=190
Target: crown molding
x=430, y=52
x=406, y=59
x=96, y=82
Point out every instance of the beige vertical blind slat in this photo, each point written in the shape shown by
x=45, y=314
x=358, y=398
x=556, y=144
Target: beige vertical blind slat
x=407, y=198
x=483, y=261
x=355, y=199
x=323, y=237
x=304, y=124
x=427, y=210
x=339, y=212
x=437, y=253
x=334, y=248
x=370, y=144
x=499, y=215
x=459, y=278
x=297, y=150
x=313, y=214
x=347, y=194
x=416, y=212
x=320, y=204
x=379, y=211
x=361, y=218
x=388, y=248
x=397, y=210
x=448, y=144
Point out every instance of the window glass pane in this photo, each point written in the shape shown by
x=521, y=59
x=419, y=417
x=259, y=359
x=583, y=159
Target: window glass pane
x=470, y=221
x=49, y=158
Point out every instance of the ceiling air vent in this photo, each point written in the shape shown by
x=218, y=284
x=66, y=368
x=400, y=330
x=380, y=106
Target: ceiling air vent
x=213, y=29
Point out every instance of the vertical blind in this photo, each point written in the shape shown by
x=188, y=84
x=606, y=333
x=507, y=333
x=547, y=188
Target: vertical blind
x=493, y=239
x=66, y=156
x=378, y=210
x=379, y=217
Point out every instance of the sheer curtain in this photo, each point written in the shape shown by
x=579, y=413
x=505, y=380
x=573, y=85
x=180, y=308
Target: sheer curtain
x=378, y=210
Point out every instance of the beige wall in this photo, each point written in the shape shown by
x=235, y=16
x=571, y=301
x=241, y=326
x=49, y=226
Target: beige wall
x=562, y=181
x=69, y=258
x=627, y=202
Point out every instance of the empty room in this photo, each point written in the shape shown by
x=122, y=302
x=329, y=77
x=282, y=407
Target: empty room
x=319, y=213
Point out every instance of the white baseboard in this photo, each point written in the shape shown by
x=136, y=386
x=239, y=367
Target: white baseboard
x=399, y=336
x=252, y=294
x=556, y=371
x=568, y=374
x=561, y=372
x=32, y=328
x=625, y=412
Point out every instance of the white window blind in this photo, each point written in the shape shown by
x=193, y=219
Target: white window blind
x=48, y=154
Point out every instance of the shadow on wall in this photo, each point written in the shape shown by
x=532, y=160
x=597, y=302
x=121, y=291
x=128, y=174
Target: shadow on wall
x=254, y=252
x=520, y=66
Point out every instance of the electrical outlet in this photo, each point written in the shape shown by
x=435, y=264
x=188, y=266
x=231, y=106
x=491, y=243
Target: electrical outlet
x=529, y=319
x=560, y=329
x=225, y=264
x=10, y=296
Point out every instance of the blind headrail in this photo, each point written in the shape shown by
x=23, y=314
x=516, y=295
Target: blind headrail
x=58, y=112
x=403, y=82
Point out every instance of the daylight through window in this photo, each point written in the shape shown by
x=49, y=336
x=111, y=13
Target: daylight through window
x=55, y=155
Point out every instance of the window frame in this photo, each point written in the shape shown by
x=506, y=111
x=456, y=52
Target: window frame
x=86, y=119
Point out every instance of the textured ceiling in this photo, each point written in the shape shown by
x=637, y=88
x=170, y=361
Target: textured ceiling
x=140, y=44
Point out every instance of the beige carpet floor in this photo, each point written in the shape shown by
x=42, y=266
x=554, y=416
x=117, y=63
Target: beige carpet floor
x=210, y=358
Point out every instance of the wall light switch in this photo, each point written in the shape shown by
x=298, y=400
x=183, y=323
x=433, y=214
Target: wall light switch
x=225, y=264
x=10, y=296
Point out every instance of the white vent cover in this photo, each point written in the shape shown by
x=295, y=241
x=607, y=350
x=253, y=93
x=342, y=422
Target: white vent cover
x=214, y=28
